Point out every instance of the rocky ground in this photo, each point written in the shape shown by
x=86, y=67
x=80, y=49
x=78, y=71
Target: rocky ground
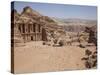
x=35, y=57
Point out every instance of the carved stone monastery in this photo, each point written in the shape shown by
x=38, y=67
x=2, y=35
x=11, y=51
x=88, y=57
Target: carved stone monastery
x=29, y=25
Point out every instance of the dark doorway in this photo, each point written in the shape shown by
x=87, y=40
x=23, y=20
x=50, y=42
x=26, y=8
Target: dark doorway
x=31, y=38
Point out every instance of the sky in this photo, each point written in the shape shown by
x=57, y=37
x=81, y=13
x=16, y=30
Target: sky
x=60, y=10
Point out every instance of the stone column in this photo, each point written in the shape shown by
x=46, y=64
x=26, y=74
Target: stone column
x=36, y=32
x=41, y=32
x=21, y=28
x=25, y=28
x=26, y=31
x=31, y=28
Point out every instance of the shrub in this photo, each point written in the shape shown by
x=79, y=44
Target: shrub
x=90, y=59
x=61, y=43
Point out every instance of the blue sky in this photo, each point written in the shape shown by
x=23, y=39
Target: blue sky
x=60, y=10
